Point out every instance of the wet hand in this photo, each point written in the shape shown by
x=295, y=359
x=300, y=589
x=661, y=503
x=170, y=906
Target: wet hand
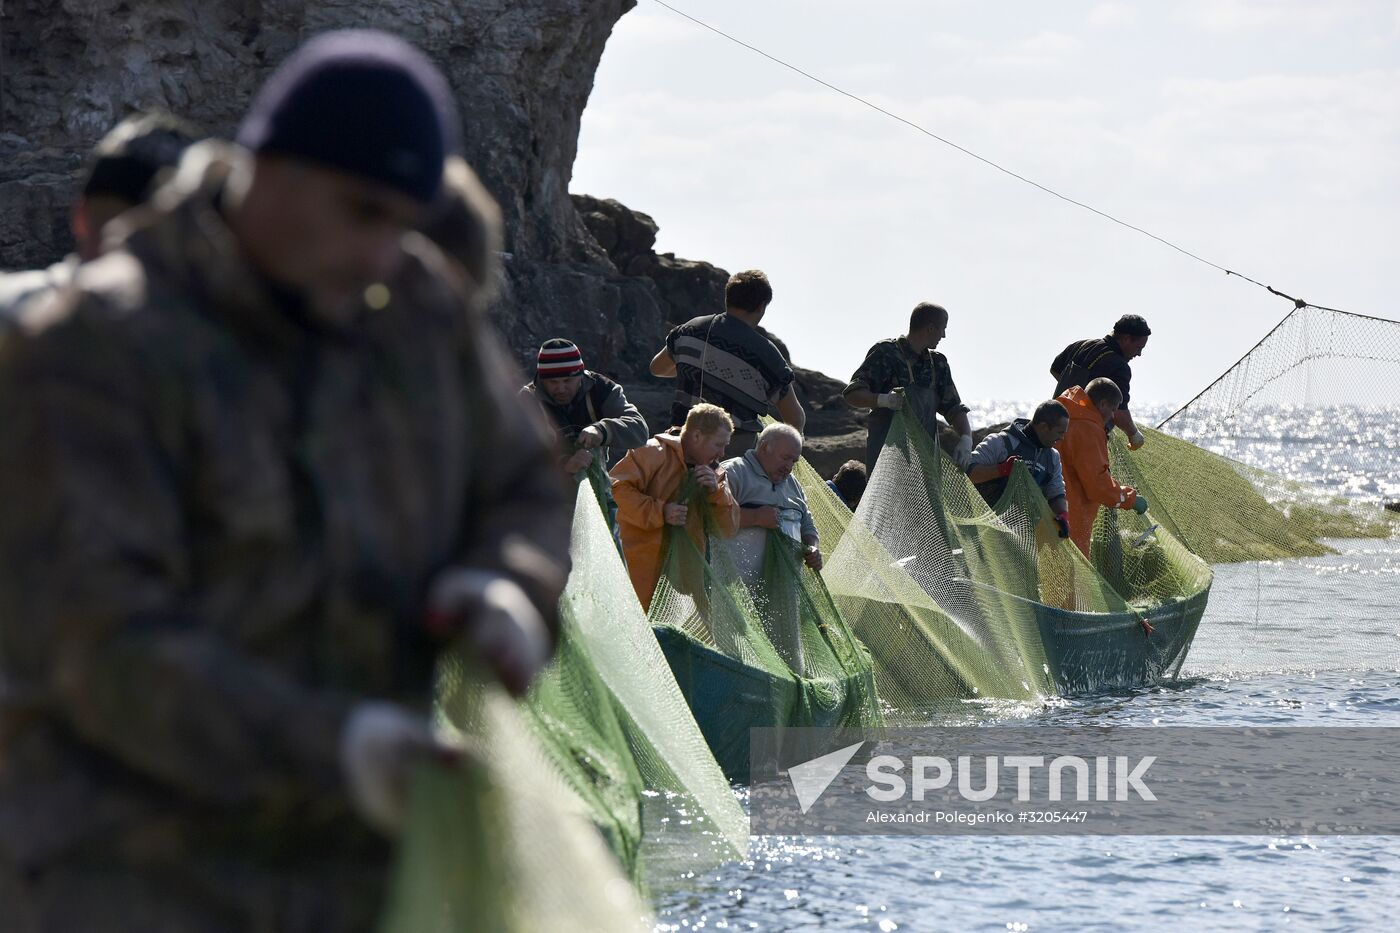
x=579, y=461
x=707, y=478
x=764, y=516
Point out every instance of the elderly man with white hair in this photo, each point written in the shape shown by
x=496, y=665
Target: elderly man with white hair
x=770, y=497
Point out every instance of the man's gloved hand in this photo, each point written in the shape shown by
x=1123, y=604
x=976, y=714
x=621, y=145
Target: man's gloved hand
x=1140, y=506
x=378, y=744
x=1062, y=520
x=891, y=400
x=1006, y=466
x=590, y=437
x=962, y=454
x=1136, y=440
x=497, y=619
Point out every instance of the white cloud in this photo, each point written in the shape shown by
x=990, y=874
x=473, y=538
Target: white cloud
x=1329, y=137
x=1045, y=50
x=952, y=45
x=1112, y=14
x=1050, y=43
x=1223, y=16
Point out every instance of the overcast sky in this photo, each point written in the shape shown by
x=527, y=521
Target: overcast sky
x=1264, y=136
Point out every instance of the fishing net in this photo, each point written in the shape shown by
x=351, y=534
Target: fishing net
x=617, y=725
x=1278, y=472
x=605, y=744
x=501, y=843
x=957, y=599
x=773, y=651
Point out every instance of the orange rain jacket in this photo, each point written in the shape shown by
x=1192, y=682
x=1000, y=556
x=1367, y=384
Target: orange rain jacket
x=1084, y=457
x=642, y=483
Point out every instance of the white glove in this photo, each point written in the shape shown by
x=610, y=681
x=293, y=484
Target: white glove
x=1136, y=440
x=891, y=400
x=377, y=745
x=590, y=437
x=498, y=620
x=962, y=454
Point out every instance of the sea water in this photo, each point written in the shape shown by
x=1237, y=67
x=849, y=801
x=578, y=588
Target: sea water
x=1309, y=642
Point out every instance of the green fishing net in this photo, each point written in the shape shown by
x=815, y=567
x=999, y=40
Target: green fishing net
x=600, y=778
x=771, y=651
x=958, y=600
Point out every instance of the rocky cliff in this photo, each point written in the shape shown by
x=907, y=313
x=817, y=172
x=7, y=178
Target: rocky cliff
x=521, y=70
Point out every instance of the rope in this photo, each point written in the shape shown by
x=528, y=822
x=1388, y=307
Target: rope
x=1298, y=303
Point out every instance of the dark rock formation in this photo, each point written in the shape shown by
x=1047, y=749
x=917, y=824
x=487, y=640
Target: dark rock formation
x=522, y=71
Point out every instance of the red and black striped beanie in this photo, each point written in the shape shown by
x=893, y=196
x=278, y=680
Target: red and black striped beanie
x=558, y=358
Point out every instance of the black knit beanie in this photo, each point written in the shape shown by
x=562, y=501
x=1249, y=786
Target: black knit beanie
x=361, y=101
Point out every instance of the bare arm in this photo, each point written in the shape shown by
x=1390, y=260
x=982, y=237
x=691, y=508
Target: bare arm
x=1124, y=420
x=663, y=364
x=790, y=410
x=859, y=397
x=981, y=474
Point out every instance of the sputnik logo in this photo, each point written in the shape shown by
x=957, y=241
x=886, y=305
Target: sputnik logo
x=811, y=778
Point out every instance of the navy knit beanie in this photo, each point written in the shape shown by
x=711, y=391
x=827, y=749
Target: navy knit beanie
x=361, y=101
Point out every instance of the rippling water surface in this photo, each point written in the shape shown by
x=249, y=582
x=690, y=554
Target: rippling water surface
x=1320, y=646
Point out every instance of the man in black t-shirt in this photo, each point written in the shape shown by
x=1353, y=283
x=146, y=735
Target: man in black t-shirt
x=725, y=360
x=1086, y=360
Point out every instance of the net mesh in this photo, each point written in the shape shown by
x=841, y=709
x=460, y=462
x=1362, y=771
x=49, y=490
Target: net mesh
x=1278, y=473
x=774, y=651
x=501, y=843
x=957, y=599
x=617, y=725
x=604, y=755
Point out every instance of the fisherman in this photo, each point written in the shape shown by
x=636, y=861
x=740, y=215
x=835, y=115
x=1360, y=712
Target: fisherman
x=589, y=410
x=849, y=483
x=648, y=479
x=1107, y=357
x=125, y=166
x=261, y=464
x=910, y=363
x=727, y=360
x=1031, y=443
x=1084, y=456
x=770, y=498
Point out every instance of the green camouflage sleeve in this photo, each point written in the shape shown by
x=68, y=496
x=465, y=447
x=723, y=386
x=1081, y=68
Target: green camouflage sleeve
x=96, y=621
x=876, y=373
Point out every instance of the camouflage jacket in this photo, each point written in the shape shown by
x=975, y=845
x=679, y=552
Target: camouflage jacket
x=893, y=364
x=220, y=523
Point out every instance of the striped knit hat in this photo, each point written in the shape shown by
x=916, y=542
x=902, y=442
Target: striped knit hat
x=558, y=358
